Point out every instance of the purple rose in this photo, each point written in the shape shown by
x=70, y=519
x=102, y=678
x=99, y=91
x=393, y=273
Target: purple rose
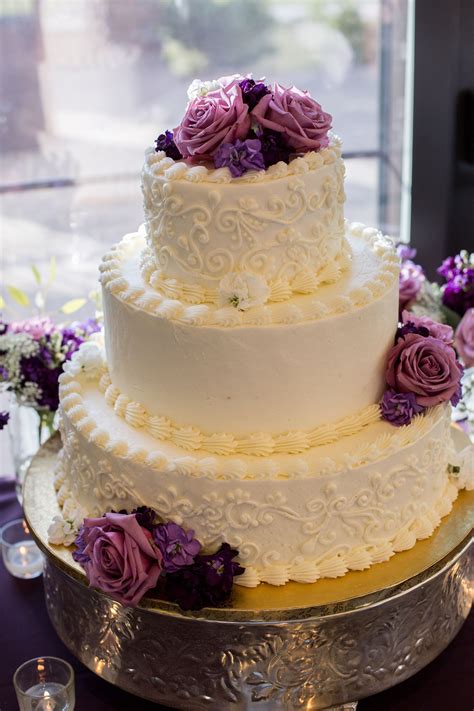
x=221, y=116
x=240, y=156
x=425, y=366
x=297, y=115
x=399, y=408
x=464, y=338
x=431, y=328
x=119, y=556
x=178, y=547
x=410, y=280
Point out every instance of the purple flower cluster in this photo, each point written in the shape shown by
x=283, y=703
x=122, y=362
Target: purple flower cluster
x=247, y=125
x=458, y=292
x=4, y=417
x=126, y=554
x=37, y=368
x=422, y=369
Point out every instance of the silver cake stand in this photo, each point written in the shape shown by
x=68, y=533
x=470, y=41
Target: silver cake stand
x=315, y=646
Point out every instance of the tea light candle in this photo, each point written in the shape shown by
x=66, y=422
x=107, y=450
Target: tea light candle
x=48, y=697
x=24, y=559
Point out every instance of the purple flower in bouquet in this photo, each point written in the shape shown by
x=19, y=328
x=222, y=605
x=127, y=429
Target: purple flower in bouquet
x=208, y=582
x=425, y=326
x=464, y=338
x=220, y=116
x=145, y=516
x=165, y=142
x=3, y=327
x=405, y=252
x=399, y=408
x=296, y=115
x=425, y=366
x=458, y=293
x=119, y=556
x=240, y=156
x=178, y=547
x=410, y=280
x=37, y=369
x=4, y=417
x=253, y=91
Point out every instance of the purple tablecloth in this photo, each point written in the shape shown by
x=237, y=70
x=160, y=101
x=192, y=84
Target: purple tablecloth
x=25, y=632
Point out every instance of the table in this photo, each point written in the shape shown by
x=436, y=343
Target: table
x=25, y=632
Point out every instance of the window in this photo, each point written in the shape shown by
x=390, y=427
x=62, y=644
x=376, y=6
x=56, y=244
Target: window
x=87, y=85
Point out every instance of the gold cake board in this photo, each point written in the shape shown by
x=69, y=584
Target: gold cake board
x=297, y=646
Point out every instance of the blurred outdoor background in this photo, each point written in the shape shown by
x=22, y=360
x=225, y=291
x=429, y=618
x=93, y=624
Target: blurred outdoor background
x=87, y=85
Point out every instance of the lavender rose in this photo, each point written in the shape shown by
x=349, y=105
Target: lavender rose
x=297, y=115
x=119, y=556
x=430, y=327
x=221, y=116
x=425, y=366
x=464, y=338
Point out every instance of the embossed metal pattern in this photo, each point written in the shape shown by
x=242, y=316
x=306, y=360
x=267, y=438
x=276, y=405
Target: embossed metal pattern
x=206, y=664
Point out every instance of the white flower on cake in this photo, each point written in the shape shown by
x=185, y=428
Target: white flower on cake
x=62, y=532
x=88, y=361
x=201, y=88
x=243, y=291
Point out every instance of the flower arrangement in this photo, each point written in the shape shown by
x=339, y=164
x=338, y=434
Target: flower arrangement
x=126, y=554
x=243, y=124
x=436, y=328
x=32, y=355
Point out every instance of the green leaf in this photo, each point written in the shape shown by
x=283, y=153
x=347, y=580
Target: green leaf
x=18, y=295
x=2, y=302
x=36, y=274
x=52, y=270
x=73, y=305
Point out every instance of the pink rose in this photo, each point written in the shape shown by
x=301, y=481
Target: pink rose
x=119, y=556
x=425, y=366
x=295, y=114
x=35, y=327
x=221, y=116
x=435, y=329
x=464, y=338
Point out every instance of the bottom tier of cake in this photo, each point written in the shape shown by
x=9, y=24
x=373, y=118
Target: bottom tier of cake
x=336, y=507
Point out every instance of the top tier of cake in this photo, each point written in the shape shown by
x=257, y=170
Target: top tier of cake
x=284, y=224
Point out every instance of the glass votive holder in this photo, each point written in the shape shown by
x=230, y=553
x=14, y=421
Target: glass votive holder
x=45, y=684
x=21, y=556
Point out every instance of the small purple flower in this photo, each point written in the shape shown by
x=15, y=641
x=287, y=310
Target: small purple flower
x=399, y=408
x=240, y=156
x=405, y=252
x=3, y=373
x=253, y=91
x=3, y=327
x=458, y=394
x=410, y=280
x=79, y=554
x=208, y=582
x=410, y=327
x=165, y=142
x=458, y=293
x=178, y=547
x=274, y=147
x=4, y=417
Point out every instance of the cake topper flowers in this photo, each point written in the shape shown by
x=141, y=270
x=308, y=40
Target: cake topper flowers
x=246, y=124
x=126, y=554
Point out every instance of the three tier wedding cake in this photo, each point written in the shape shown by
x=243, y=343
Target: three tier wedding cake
x=252, y=386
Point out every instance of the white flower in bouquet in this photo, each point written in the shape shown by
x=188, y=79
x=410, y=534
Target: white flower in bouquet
x=62, y=532
x=243, y=291
x=201, y=88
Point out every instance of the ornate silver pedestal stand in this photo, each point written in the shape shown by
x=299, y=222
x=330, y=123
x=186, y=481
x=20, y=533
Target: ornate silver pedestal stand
x=299, y=647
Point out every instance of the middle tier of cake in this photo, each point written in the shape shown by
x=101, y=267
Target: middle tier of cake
x=282, y=371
